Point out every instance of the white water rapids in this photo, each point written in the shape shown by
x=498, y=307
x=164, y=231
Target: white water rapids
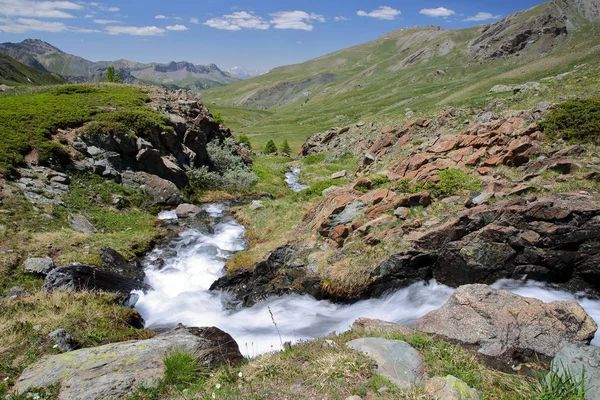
x=194, y=260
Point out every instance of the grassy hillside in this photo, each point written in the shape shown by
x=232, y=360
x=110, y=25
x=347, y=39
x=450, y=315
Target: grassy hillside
x=29, y=122
x=13, y=72
x=424, y=69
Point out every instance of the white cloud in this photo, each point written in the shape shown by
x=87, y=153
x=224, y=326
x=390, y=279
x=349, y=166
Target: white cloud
x=437, y=12
x=135, y=30
x=36, y=9
x=341, y=18
x=22, y=25
x=160, y=16
x=482, y=16
x=113, y=9
x=89, y=15
x=295, y=20
x=383, y=12
x=106, y=21
x=194, y=20
x=237, y=21
x=83, y=30
x=177, y=28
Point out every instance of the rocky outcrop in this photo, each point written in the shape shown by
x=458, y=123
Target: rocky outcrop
x=160, y=155
x=283, y=272
x=506, y=327
x=38, y=266
x=79, y=277
x=114, y=370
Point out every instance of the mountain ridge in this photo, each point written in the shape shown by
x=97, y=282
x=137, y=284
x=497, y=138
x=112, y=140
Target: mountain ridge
x=45, y=57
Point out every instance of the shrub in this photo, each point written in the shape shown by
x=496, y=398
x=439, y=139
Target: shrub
x=112, y=76
x=218, y=118
x=576, y=120
x=143, y=122
x=285, y=147
x=270, y=147
x=243, y=139
x=454, y=180
x=229, y=172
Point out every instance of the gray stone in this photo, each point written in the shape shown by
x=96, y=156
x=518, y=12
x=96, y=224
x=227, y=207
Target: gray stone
x=256, y=204
x=377, y=326
x=507, y=327
x=354, y=398
x=187, y=210
x=396, y=360
x=161, y=191
x=62, y=340
x=339, y=175
x=348, y=214
x=17, y=293
x=114, y=370
x=578, y=358
x=450, y=388
x=329, y=190
x=402, y=212
x=482, y=198
x=81, y=224
x=39, y=266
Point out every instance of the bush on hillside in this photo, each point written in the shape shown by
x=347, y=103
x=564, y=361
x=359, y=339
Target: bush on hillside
x=270, y=147
x=229, y=172
x=576, y=120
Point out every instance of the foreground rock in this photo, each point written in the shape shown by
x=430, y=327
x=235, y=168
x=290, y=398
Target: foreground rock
x=113, y=261
x=78, y=277
x=39, y=266
x=506, y=327
x=450, y=388
x=112, y=371
x=576, y=359
x=396, y=360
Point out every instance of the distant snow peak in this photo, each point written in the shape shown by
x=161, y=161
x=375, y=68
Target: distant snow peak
x=243, y=73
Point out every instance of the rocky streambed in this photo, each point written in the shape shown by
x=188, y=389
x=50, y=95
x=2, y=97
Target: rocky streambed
x=183, y=272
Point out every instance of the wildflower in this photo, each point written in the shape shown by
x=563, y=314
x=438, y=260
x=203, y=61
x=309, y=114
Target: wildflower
x=218, y=385
x=214, y=396
x=240, y=374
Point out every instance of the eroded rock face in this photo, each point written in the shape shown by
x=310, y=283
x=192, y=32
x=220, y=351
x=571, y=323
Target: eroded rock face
x=112, y=371
x=506, y=327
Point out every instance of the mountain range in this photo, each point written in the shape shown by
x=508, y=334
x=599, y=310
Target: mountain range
x=420, y=69
x=47, y=58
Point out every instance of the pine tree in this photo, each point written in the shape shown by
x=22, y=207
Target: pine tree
x=285, y=147
x=270, y=147
x=112, y=76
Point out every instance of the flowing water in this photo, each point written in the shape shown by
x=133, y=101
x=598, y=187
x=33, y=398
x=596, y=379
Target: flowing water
x=196, y=258
x=293, y=181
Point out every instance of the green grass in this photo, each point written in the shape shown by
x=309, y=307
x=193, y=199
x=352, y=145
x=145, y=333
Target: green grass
x=181, y=368
x=30, y=120
x=14, y=73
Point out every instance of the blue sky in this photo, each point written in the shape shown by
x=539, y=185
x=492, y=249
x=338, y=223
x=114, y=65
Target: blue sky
x=255, y=34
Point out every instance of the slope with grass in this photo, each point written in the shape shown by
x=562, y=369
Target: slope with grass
x=422, y=69
x=13, y=72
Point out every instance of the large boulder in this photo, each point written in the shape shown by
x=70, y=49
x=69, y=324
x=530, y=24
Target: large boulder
x=506, y=327
x=114, y=370
x=79, y=277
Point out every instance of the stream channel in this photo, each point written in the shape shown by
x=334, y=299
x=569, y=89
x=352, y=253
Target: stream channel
x=196, y=257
